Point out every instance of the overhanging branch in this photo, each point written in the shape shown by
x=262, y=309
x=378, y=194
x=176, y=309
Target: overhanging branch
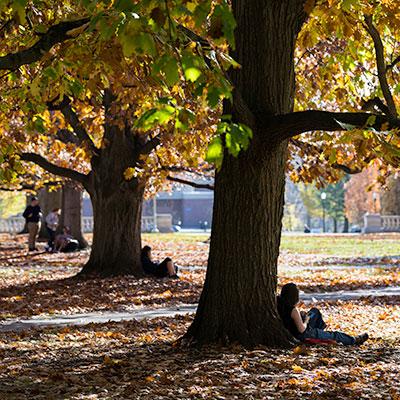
x=190, y=183
x=66, y=136
x=178, y=168
x=53, y=168
x=56, y=34
x=285, y=126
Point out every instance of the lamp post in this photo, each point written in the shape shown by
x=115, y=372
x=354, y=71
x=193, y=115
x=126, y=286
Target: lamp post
x=323, y=198
x=155, y=227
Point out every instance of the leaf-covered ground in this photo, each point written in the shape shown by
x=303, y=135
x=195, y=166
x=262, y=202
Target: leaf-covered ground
x=140, y=360
x=34, y=284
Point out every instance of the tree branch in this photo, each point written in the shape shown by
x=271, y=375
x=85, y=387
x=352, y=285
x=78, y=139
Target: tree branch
x=175, y=168
x=285, y=126
x=393, y=64
x=66, y=136
x=53, y=168
x=150, y=145
x=381, y=65
x=345, y=168
x=72, y=118
x=56, y=34
x=190, y=183
x=375, y=104
x=239, y=106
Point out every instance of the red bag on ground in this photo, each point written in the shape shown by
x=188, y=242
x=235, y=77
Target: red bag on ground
x=319, y=341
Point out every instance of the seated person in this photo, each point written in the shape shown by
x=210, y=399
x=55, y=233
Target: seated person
x=65, y=242
x=162, y=270
x=308, y=325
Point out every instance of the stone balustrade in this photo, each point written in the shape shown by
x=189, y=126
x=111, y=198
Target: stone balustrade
x=164, y=224
x=374, y=223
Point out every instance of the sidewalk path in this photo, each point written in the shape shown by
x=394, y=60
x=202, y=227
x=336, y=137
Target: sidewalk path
x=142, y=313
x=313, y=267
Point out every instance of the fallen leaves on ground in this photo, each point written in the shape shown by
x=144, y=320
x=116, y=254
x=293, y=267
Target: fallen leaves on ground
x=41, y=283
x=140, y=360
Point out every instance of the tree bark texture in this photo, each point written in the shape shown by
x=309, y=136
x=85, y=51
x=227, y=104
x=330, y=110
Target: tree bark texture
x=238, y=302
x=117, y=209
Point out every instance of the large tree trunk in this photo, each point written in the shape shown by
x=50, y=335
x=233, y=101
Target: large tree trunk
x=116, y=234
x=117, y=209
x=71, y=211
x=238, y=303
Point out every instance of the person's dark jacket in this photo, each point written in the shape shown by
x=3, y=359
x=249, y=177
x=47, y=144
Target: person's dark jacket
x=285, y=312
x=149, y=267
x=32, y=214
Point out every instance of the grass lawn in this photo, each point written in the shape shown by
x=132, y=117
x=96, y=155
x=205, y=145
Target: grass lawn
x=377, y=245
x=371, y=245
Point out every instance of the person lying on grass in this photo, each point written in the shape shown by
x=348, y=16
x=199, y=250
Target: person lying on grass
x=309, y=325
x=160, y=270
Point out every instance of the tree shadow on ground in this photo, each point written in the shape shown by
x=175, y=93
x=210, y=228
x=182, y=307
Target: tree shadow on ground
x=75, y=294
x=139, y=360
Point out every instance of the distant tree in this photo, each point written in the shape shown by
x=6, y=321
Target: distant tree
x=335, y=206
x=359, y=195
x=311, y=197
x=11, y=203
x=390, y=197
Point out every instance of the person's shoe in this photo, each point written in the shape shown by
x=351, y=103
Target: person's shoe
x=360, y=339
x=174, y=276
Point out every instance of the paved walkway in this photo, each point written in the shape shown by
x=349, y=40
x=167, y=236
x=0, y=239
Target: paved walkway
x=142, y=313
x=313, y=267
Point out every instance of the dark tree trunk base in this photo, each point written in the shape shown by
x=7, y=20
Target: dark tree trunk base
x=105, y=270
x=238, y=302
x=271, y=334
x=116, y=243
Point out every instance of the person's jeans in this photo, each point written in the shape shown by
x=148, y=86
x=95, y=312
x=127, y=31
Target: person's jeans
x=316, y=320
x=315, y=330
x=52, y=236
x=33, y=229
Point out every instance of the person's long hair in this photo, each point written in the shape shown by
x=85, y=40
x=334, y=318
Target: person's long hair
x=145, y=252
x=289, y=294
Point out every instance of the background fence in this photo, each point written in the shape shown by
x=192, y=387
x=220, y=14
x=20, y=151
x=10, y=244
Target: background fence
x=15, y=225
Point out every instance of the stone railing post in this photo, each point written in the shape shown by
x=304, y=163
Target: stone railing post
x=372, y=223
